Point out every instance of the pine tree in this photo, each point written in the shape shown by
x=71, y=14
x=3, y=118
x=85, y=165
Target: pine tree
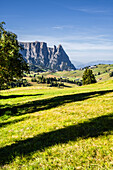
x=88, y=77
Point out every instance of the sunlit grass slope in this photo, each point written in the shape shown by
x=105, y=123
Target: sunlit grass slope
x=103, y=69
x=57, y=128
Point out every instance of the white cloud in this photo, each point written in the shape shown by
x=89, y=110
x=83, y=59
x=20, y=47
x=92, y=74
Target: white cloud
x=87, y=46
x=61, y=27
x=89, y=10
x=79, y=47
x=86, y=56
x=58, y=27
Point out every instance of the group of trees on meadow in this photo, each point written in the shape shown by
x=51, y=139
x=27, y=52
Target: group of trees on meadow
x=53, y=81
x=18, y=83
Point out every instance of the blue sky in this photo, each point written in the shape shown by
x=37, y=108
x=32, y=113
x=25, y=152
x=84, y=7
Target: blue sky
x=83, y=27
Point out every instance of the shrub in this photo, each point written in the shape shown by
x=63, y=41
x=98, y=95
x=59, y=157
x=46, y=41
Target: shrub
x=33, y=80
x=111, y=74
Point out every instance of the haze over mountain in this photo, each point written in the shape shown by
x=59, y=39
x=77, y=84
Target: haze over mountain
x=37, y=53
x=78, y=64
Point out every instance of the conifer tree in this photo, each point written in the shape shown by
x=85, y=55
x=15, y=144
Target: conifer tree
x=88, y=77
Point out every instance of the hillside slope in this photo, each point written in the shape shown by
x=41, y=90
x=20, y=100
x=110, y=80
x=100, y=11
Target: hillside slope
x=100, y=71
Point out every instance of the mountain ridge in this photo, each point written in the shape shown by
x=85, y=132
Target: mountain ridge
x=38, y=53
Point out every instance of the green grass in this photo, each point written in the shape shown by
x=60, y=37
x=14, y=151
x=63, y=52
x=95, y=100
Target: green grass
x=57, y=128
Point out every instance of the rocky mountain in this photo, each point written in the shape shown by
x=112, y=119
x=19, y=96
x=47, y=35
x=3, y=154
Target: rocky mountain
x=37, y=53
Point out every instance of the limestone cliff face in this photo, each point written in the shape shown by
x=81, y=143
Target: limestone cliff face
x=38, y=53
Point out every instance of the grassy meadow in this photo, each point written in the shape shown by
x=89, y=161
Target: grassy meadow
x=57, y=128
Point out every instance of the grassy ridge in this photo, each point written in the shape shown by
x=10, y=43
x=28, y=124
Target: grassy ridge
x=52, y=128
x=104, y=70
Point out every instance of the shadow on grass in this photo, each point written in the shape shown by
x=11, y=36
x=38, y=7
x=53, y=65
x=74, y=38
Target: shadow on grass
x=13, y=121
x=67, y=86
x=16, y=96
x=49, y=103
x=92, y=128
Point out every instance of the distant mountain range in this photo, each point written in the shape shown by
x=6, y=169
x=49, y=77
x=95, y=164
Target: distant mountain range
x=38, y=54
x=81, y=65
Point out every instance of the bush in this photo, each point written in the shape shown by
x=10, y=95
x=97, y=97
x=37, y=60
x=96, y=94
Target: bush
x=111, y=74
x=33, y=80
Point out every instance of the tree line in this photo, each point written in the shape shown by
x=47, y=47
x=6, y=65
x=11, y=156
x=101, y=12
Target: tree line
x=87, y=78
x=53, y=81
